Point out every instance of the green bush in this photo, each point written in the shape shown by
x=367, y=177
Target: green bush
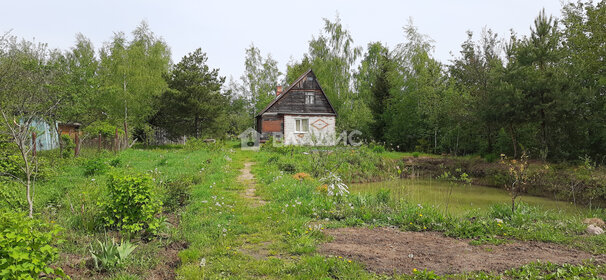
x=26, y=247
x=287, y=167
x=106, y=129
x=131, y=204
x=94, y=166
x=116, y=162
x=67, y=145
x=416, y=154
x=378, y=149
x=11, y=195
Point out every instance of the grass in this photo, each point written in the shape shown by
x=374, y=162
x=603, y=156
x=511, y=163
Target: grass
x=226, y=237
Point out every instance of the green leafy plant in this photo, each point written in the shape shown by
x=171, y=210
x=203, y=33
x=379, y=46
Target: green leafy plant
x=109, y=255
x=26, y=247
x=67, y=145
x=94, y=166
x=131, y=204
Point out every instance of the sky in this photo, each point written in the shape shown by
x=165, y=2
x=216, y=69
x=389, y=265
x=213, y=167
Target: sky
x=224, y=29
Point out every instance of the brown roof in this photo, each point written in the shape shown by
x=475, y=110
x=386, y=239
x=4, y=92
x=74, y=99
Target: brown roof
x=290, y=87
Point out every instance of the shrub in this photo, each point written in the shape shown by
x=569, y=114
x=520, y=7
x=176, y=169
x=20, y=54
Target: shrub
x=106, y=129
x=177, y=192
x=110, y=255
x=378, y=149
x=94, y=166
x=287, y=167
x=68, y=146
x=26, y=249
x=131, y=204
x=116, y=162
x=416, y=154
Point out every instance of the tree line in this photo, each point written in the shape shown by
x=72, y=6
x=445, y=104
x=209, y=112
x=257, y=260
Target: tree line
x=543, y=93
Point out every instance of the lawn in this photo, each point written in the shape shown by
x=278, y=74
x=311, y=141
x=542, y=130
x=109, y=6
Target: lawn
x=209, y=229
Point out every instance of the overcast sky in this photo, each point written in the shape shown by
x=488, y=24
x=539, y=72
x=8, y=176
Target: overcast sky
x=224, y=29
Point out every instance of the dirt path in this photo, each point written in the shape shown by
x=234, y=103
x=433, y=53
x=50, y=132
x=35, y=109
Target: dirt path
x=384, y=250
x=247, y=179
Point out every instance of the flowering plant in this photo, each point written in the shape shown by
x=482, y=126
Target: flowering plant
x=335, y=185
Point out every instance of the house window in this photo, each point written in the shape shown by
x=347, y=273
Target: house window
x=310, y=98
x=301, y=125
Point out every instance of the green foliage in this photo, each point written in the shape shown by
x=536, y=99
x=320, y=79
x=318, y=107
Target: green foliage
x=107, y=130
x=9, y=157
x=26, y=247
x=95, y=166
x=109, y=255
x=131, y=74
x=377, y=148
x=416, y=154
x=67, y=145
x=193, y=105
x=548, y=270
x=177, y=192
x=260, y=78
x=11, y=196
x=131, y=203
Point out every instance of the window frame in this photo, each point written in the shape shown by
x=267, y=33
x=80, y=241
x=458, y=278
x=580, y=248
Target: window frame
x=299, y=123
x=310, y=96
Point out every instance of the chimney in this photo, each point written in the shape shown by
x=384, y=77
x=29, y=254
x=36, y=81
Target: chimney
x=279, y=91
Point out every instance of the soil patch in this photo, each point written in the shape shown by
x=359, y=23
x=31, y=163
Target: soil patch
x=247, y=179
x=386, y=250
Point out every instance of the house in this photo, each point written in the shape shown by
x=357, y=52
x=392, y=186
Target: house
x=70, y=129
x=299, y=115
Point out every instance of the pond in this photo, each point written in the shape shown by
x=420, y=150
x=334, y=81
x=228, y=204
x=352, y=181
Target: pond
x=463, y=198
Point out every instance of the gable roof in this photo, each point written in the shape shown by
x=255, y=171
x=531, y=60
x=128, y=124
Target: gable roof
x=290, y=87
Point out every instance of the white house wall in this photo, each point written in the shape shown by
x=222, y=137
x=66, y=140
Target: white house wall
x=321, y=131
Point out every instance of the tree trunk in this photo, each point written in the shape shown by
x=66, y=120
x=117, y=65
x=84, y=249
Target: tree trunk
x=513, y=140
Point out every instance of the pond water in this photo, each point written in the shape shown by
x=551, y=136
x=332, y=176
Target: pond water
x=463, y=198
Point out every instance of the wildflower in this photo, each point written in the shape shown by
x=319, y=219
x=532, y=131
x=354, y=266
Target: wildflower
x=203, y=262
x=349, y=261
x=420, y=215
x=414, y=270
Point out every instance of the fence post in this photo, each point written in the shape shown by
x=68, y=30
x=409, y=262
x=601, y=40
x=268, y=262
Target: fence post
x=99, y=143
x=77, y=140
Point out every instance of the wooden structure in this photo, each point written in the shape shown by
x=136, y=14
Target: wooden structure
x=301, y=115
x=70, y=129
